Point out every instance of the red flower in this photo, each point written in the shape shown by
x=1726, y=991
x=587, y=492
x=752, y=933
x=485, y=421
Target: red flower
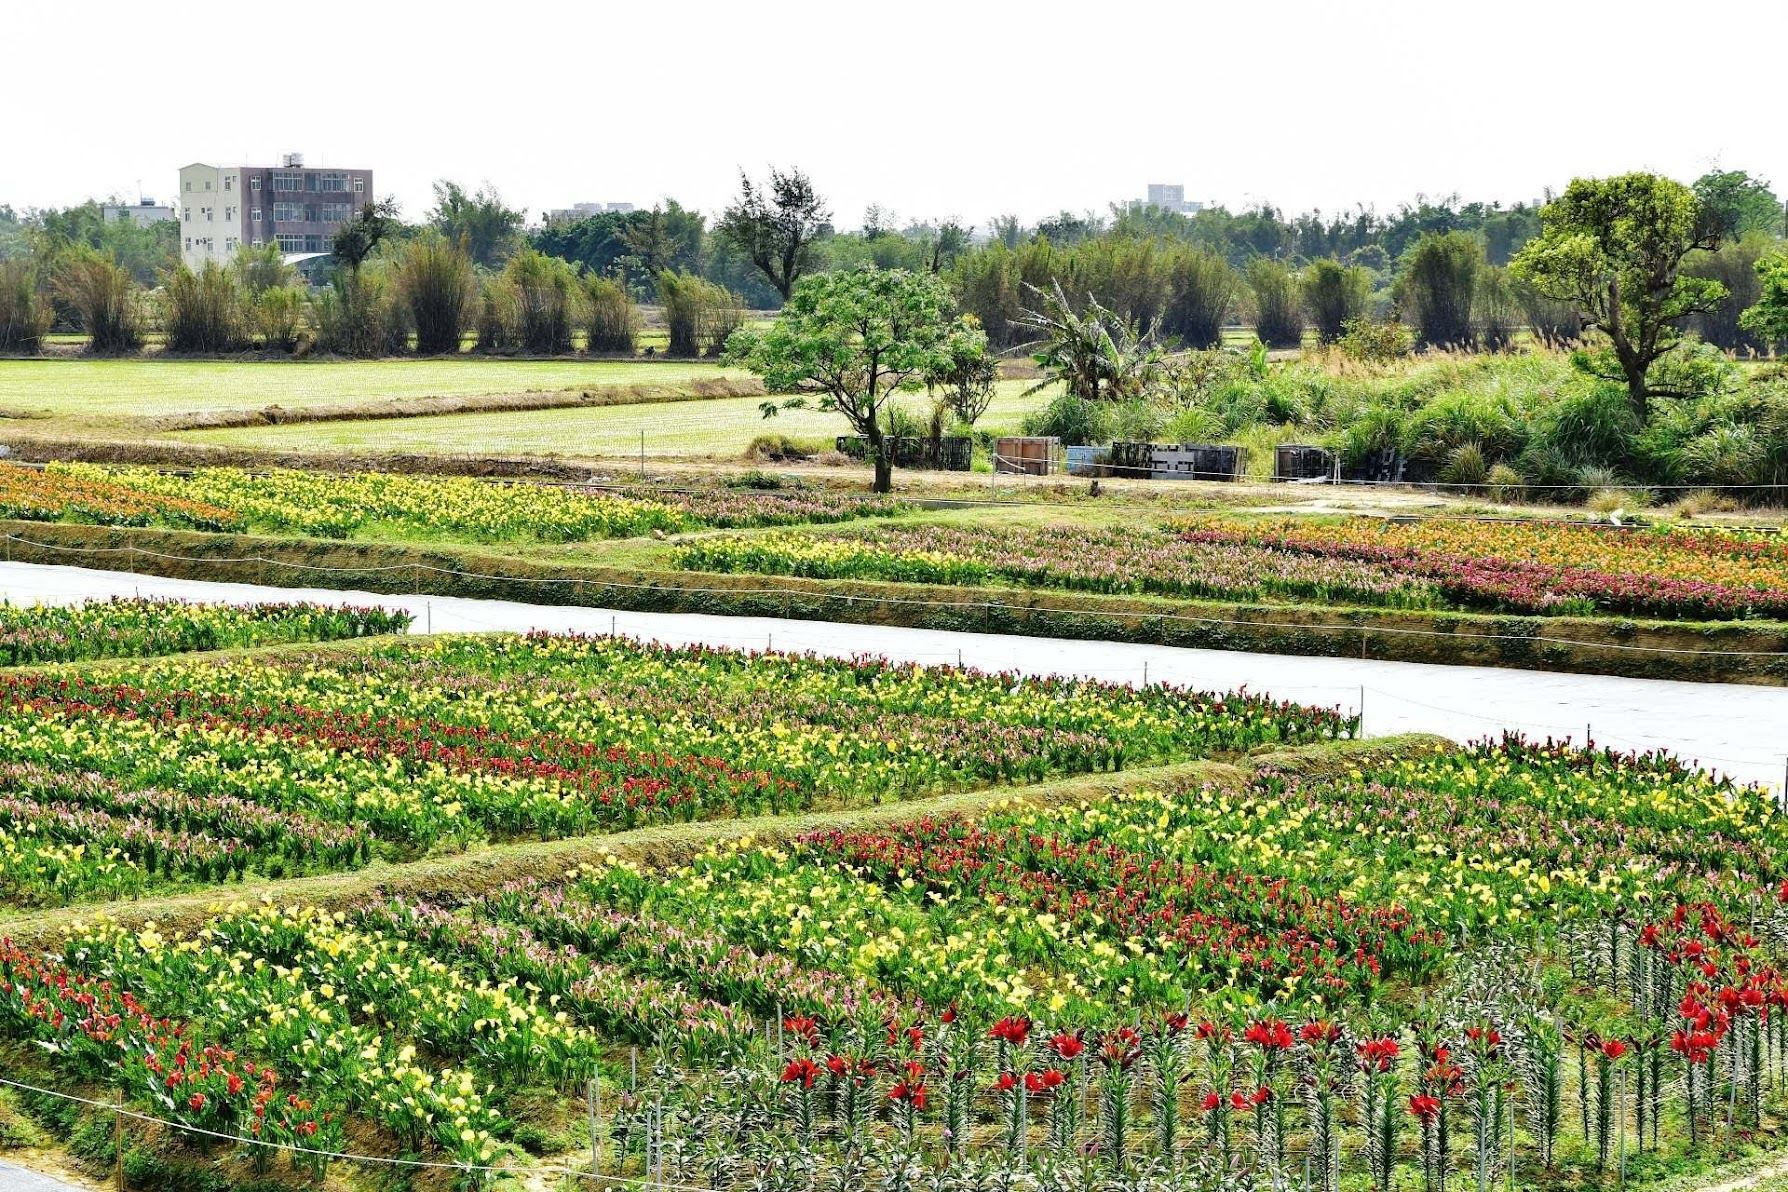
x=1424, y=1107
x=1211, y=1102
x=1006, y=1083
x=1269, y=1034
x=803, y=1070
x=1613, y=1049
x=1319, y=1032
x=196, y=1102
x=1066, y=1045
x=1014, y=1029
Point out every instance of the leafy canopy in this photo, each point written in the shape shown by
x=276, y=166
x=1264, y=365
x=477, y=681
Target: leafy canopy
x=1614, y=248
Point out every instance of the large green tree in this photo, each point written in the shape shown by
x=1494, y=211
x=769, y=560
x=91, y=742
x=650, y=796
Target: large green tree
x=777, y=226
x=1614, y=249
x=488, y=228
x=856, y=339
x=1733, y=203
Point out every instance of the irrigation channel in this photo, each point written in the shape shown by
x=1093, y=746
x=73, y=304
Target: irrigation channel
x=1737, y=729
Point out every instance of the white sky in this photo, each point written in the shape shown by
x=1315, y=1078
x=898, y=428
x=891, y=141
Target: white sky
x=929, y=108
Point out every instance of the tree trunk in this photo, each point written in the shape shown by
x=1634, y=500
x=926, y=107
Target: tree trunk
x=881, y=454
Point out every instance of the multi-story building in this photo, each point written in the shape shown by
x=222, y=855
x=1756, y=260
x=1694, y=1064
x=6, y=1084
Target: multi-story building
x=1171, y=196
x=579, y=211
x=143, y=213
x=298, y=207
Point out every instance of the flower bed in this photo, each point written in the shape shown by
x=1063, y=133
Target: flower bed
x=417, y=746
x=398, y=505
x=1351, y=979
x=1534, y=567
x=136, y=628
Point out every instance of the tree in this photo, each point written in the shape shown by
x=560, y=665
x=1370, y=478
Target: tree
x=1734, y=203
x=1096, y=355
x=1768, y=319
x=487, y=228
x=1335, y=295
x=434, y=276
x=1614, y=248
x=776, y=226
x=1278, y=313
x=948, y=241
x=857, y=339
x=1438, y=285
x=361, y=236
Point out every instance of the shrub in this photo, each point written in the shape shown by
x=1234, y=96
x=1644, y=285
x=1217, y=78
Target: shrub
x=701, y=315
x=434, y=277
x=497, y=322
x=543, y=297
x=104, y=296
x=24, y=313
x=1495, y=313
x=1201, y=291
x=1071, y=419
x=1278, y=313
x=360, y=315
x=204, y=310
x=277, y=317
x=1703, y=500
x=1505, y=484
x=1734, y=266
x=1551, y=321
x=613, y=319
x=1335, y=295
x=1465, y=467
x=1437, y=287
x=1727, y=456
x=1372, y=342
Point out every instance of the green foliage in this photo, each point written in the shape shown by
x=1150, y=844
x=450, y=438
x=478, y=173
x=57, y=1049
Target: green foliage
x=103, y=297
x=701, y=315
x=1614, y=247
x=1278, y=306
x=1735, y=205
x=613, y=318
x=1094, y=356
x=362, y=314
x=486, y=228
x=1202, y=289
x=434, y=277
x=1736, y=267
x=1437, y=287
x=1372, y=342
x=24, y=310
x=203, y=310
x=1335, y=295
x=775, y=225
x=1767, y=318
x=857, y=339
x=276, y=317
x=544, y=296
x=357, y=240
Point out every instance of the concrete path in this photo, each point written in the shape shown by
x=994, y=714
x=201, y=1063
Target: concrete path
x=1737, y=729
x=20, y=1179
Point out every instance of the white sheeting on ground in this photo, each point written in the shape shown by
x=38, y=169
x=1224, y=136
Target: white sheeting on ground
x=1737, y=729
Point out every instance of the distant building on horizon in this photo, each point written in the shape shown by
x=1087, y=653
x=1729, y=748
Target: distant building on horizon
x=298, y=207
x=579, y=211
x=1171, y=196
x=144, y=212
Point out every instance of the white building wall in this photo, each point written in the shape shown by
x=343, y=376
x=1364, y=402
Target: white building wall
x=210, y=204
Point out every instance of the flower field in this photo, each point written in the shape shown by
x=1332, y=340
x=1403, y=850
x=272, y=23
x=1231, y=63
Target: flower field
x=1516, y=963
x=397, y=505
x=197, y=770
x=1532, y=567
x=134, y=628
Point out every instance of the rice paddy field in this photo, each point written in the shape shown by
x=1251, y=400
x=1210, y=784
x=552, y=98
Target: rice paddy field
x=148, y=387
x=850, y=923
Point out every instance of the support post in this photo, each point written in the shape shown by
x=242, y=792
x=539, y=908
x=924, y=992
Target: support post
x=590, y=1096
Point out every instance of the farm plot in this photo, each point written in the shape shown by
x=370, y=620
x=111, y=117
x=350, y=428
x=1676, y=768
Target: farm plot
x=1407, y=975
x=397, y=505
x=1532, y=567
x=180, y=771
x=134, y=628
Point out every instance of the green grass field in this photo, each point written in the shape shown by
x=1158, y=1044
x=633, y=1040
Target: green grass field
x=719, y=427
x=149, y=387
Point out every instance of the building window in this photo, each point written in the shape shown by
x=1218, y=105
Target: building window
x=359, y=185
x=186, y=214
x=188, y=184
x=207, y=184
x=334, y=213
x=288, y=180
x=256, y=217
x=230, y=244
x=254, y=183
x=189, y=244
x=288, y=212
x=229, y=181
x=332, y=182
x=229, y=215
